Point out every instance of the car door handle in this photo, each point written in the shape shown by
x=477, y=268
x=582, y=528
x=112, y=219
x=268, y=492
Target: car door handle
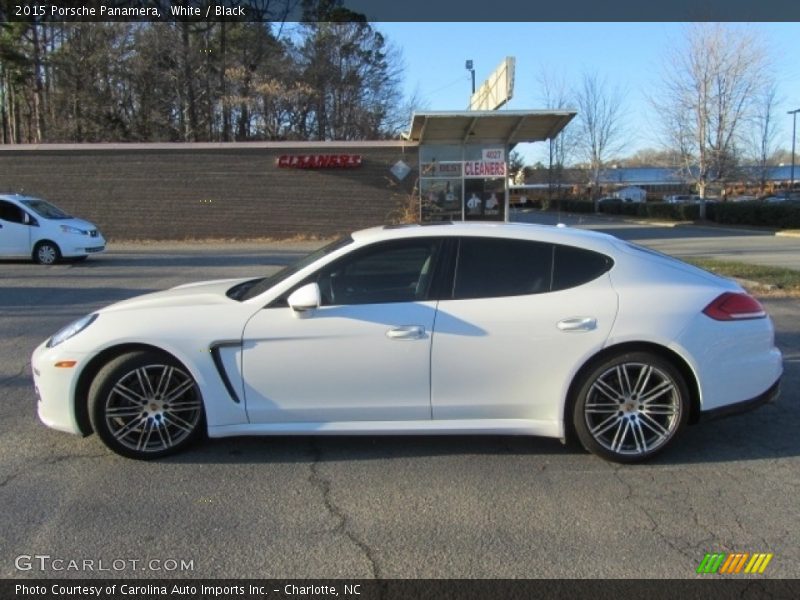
x=406, y=332
x=577, y=324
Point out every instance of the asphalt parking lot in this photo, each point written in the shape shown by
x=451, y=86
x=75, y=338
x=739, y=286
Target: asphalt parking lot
x=750, y=245
x=454, y=507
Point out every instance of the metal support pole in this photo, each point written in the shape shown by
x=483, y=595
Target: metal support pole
x=794, y=134
x=550, y=176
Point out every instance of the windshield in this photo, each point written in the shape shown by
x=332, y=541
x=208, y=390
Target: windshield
x=254, y=287
x=45, y=209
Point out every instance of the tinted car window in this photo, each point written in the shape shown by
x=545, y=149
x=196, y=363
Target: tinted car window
x=488, y=267
x=576, y=266
x=397, y=271
x=11, y=212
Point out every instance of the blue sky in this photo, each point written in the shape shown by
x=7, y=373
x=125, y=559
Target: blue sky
x=629, y=55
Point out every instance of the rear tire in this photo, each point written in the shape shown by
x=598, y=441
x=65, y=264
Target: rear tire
x=146, y=405
x=46, y=253
x=630, y=407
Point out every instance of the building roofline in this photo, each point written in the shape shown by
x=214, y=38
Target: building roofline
x=288, y=145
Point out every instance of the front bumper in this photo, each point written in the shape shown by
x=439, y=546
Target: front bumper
x=84, y=245
x=55, y=387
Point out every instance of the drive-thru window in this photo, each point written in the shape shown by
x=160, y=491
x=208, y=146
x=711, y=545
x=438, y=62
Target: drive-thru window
x=463, y=158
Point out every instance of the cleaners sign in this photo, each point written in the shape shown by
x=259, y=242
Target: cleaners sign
x=492, y=164
x=319, y=161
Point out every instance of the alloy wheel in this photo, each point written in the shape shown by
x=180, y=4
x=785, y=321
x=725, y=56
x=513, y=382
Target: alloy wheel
x=153, y=408
x=633, y=408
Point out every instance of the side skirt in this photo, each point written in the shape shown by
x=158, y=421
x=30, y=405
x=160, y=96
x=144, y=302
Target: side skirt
x=453, y=427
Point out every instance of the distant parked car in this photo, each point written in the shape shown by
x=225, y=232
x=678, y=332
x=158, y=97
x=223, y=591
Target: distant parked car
x=681, y=198
x=783, y=197
x=743, y=198
x=623, y=200
x=32, y=227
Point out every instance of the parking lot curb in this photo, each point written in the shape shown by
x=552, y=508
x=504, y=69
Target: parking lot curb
x=659, y=223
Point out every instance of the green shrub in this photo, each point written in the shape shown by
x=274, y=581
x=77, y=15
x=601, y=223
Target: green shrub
x=672, y=212
x=573, y=206
x=780, y=215
x=652, y=210
x=618, y=207
x=611, y=207
x=783, y=215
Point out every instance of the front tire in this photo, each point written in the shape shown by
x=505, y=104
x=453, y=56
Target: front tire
x=629, y=407
x=46, y=253
x=146, y=405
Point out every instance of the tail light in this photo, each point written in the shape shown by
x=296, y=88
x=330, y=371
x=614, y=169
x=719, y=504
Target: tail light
x=732, y=306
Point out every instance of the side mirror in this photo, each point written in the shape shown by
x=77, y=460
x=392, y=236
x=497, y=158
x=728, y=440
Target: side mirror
x=29, y=220
x=305, y=298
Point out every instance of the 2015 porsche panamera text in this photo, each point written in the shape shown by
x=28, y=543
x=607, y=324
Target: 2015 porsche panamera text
x=450, y=328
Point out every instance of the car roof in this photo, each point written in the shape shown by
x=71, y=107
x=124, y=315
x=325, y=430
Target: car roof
x=16, y=197
x=524, y=231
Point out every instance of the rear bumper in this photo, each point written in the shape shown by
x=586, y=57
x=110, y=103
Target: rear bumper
x=747, y=405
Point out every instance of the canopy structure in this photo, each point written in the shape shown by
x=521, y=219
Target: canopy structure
x=508, y=127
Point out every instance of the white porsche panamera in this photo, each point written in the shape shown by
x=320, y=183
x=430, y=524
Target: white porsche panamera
x=450, y=328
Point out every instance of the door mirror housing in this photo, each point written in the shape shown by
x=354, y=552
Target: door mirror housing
x=305, y=298
x=29, y=220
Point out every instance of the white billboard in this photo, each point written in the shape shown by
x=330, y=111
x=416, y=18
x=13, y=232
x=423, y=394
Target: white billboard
x=497, y=89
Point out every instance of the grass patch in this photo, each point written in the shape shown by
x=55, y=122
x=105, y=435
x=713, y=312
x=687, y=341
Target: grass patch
x=757, y=279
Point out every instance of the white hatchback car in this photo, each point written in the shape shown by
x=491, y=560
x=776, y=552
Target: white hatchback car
x=34, y=228
x=421, y=330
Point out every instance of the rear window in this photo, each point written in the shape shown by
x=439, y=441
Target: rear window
x=575, y=266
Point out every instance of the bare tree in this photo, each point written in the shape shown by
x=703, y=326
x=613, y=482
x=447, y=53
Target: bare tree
x=399, y=117
x=516, y=167
x=555, y=94
x=355, y=77
x=652, y=157
x=600, y=126
x=764, y=130
x=23, y=97
x=707, y=95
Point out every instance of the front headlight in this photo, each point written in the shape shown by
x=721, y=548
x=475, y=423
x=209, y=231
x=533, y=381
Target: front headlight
x=70, y=330
x=71, y=229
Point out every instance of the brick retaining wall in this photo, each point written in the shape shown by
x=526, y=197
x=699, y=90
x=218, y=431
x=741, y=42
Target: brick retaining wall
x=172, y=191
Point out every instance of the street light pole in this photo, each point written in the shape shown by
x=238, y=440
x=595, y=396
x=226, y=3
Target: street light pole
x=472, y=71
x=794, y=130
